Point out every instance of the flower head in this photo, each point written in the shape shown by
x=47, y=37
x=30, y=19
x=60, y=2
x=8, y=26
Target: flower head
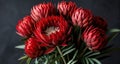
x=25, y=26
x=95, y=38
x=33, y=48
x=52, y=30
x=66, y=8
x=42, y=10
x=82, y=17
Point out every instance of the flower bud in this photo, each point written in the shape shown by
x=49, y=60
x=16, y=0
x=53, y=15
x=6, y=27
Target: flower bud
x=94, y=37
x=66, y=8
x=42, y=10
x=25, y=26
x=32, y=48
x=82, y=17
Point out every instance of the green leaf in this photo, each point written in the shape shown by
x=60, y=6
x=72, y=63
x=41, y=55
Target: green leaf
x=46, y=60
x=68, y=48
x=56, y=62
x=69, y=51
x=23, y=57
x=20, y=46
x=28, y=60
x=114, y=30
x=36, y=61
x=93, y=54
x=83, y=60
x=74, y=62
x=103, y=56
x=91, y=61
x=88, y=53
x=54, y=59
x=105, y=53
x=74, y=56
x=86, y=60
x=113, y=35
x=96, y=61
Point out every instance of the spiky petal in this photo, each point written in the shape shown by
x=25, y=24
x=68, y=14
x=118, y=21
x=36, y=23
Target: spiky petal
x=25, y=26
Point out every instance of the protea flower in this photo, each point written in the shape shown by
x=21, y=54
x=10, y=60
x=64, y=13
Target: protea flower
x=100, y=22
x=82, y=17
x=66, y=8
x=95, y=38
x=42, y=10
x=52, y=31
x=25, y=26
x=33, y=48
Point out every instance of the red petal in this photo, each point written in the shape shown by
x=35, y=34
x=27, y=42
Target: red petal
x=49, y=50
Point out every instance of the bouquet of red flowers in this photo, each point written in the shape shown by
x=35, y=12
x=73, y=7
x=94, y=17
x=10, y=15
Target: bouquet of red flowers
x=65, y=34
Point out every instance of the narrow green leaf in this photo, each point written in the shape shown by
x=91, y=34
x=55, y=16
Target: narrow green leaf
x=88, y=53
x=113, y=35
x=96, y=61
x=46, y=60
x=66, y=49
x=93, y=54
x=86, y=60
x=39, y=59
x=105, y=53
x=56, y=62
x=83, y=60
x=74, y=56
x=69, y=51
x=115, y=30
x=91, y=61
x=20, y=46
x=54, y=59
x=23, y=57
x=74, y=62
x=28, y=60
x=36, y=61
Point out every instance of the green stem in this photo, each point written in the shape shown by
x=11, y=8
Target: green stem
x=83, y=52
x=68, y=57
x=60, y=52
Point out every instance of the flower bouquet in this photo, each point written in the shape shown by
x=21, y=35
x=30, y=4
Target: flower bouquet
x=65, y=34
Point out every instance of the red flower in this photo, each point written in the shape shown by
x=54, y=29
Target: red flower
x=52, y=31
x=66, y=8
x=100, y=22
x=25, y=26
x=95, y=38
x=42, y=10
x=32, y=48
x=82, y=17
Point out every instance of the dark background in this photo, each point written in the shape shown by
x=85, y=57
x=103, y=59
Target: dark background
x=13, y=10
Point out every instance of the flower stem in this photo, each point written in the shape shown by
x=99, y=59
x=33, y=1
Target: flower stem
x=83, y=52
x=60, y=52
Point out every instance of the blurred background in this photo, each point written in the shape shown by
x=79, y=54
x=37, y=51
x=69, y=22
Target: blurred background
x=13, y=10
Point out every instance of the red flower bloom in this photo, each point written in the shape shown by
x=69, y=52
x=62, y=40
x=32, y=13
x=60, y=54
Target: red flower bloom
x=94, y=37
x=42, y=10
x=100, y=22
x=66, y=8
x=25, y=26
x=82, y=17
x=32, y=48
x=52, y=31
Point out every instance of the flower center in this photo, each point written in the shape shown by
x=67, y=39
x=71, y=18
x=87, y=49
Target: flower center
x=51, y=30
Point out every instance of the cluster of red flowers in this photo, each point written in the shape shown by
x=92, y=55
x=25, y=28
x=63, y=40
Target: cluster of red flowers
x=47, y=27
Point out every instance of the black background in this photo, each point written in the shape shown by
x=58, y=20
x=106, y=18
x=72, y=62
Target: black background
x=13, y=10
